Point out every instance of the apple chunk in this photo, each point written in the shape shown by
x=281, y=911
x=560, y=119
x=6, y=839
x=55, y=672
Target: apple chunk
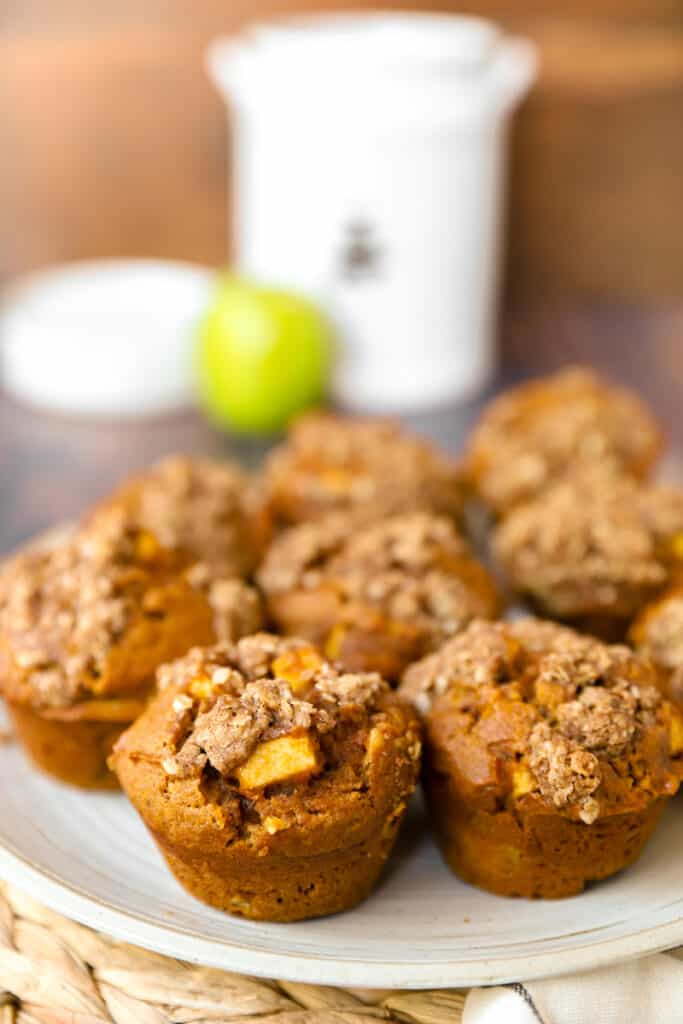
x=281, y=760
x=297, y=667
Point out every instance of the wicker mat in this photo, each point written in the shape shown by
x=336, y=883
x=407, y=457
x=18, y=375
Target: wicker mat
x=53, y=971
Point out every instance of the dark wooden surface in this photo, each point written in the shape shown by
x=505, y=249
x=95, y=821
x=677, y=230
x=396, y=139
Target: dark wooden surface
x=51, y=468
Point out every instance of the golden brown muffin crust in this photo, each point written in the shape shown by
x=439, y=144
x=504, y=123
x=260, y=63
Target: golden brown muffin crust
x=206, y=507
x=365, y=467
x=416, y=569
x=658, y=634
x=593, y=544
x=243, y=703
x=273, y=784
x=579, y=724
x=65, y=608
x=531, y=436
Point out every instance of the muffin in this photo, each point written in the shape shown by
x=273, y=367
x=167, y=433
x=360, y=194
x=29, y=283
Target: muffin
x=530, y=436
x=364, y=468
x=84, y=624
x=207, y=508
x=274, y=785
x=549, y=755
x=657, y=633
x=593, y=549
x=378, y=597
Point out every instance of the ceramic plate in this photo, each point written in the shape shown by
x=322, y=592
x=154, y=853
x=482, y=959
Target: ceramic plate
x=89, y=857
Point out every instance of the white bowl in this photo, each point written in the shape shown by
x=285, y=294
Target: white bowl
x=107, y=338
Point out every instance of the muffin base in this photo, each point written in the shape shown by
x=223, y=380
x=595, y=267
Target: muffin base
x=75, y=752
x=283, y=889
x=533, y=854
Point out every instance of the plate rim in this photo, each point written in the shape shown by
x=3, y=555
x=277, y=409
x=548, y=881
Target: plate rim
x=175, y=942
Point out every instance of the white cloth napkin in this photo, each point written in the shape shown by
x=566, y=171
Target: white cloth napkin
x=647, y=991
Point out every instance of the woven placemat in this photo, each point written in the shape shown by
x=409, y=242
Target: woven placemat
x=54, y=971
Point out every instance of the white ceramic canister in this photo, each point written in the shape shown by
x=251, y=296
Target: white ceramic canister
x=369, y=160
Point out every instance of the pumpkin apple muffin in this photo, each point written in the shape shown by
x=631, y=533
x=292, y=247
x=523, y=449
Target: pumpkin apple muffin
x=273, y=784
x=530, y=436
x=549, y=755
x=85, y=622
x=658, y=634
x=205, y=507
x=593, y=549
x=378, y=597
x=365, y=468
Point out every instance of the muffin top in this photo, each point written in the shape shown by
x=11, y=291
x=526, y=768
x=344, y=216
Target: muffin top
x=530, y=436
x=592, y=543
x=415, y=568
x=66, y=605
x=202, y=506
x=368, y=467
x=231, y=701
x=536, y=710
x=658, y=634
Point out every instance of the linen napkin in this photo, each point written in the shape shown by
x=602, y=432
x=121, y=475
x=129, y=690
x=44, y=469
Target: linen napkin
x=647, y=991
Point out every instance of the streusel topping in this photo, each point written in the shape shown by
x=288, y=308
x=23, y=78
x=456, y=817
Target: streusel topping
x=587, y=704
x=593, y=542
x=658, y=634
x=415, y=567
x=200, y=505
x=64, y=606
x=365, y=464
x=229, y=699
x=529, y=437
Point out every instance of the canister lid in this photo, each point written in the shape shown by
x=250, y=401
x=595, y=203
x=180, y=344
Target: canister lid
x=376, y=68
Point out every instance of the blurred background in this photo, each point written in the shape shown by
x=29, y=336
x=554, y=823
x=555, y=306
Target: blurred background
x=114, y=144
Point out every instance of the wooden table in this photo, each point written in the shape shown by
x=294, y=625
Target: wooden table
x=52, y=468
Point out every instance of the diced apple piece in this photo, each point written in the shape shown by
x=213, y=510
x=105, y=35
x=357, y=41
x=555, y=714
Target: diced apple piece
x=676, y=734
x=335, y=641
x=279, y=760
x=202, y=689
x=147, y=547
x=522, y=782
x=296, y=667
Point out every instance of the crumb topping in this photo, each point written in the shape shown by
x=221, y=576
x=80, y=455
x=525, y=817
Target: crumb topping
x=658, y=634
x=333, y=463
x=415, y=567
x=64, y=606
x=200, y=505
x=230, y=699
x=236, y=606
x=589, y=543
x=530, y=436
x=589, y=704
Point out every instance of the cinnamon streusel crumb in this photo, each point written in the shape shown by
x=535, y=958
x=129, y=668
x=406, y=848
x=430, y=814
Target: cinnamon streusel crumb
x=241, y=702
x=592, y=545
x=529, y=437
x=365, y=467
x=200, y=505
x=415, y=568
x=574, y=704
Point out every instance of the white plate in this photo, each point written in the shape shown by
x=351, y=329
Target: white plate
x=89, y=857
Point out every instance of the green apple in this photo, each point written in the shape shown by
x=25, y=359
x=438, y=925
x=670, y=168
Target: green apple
x=264, y=354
